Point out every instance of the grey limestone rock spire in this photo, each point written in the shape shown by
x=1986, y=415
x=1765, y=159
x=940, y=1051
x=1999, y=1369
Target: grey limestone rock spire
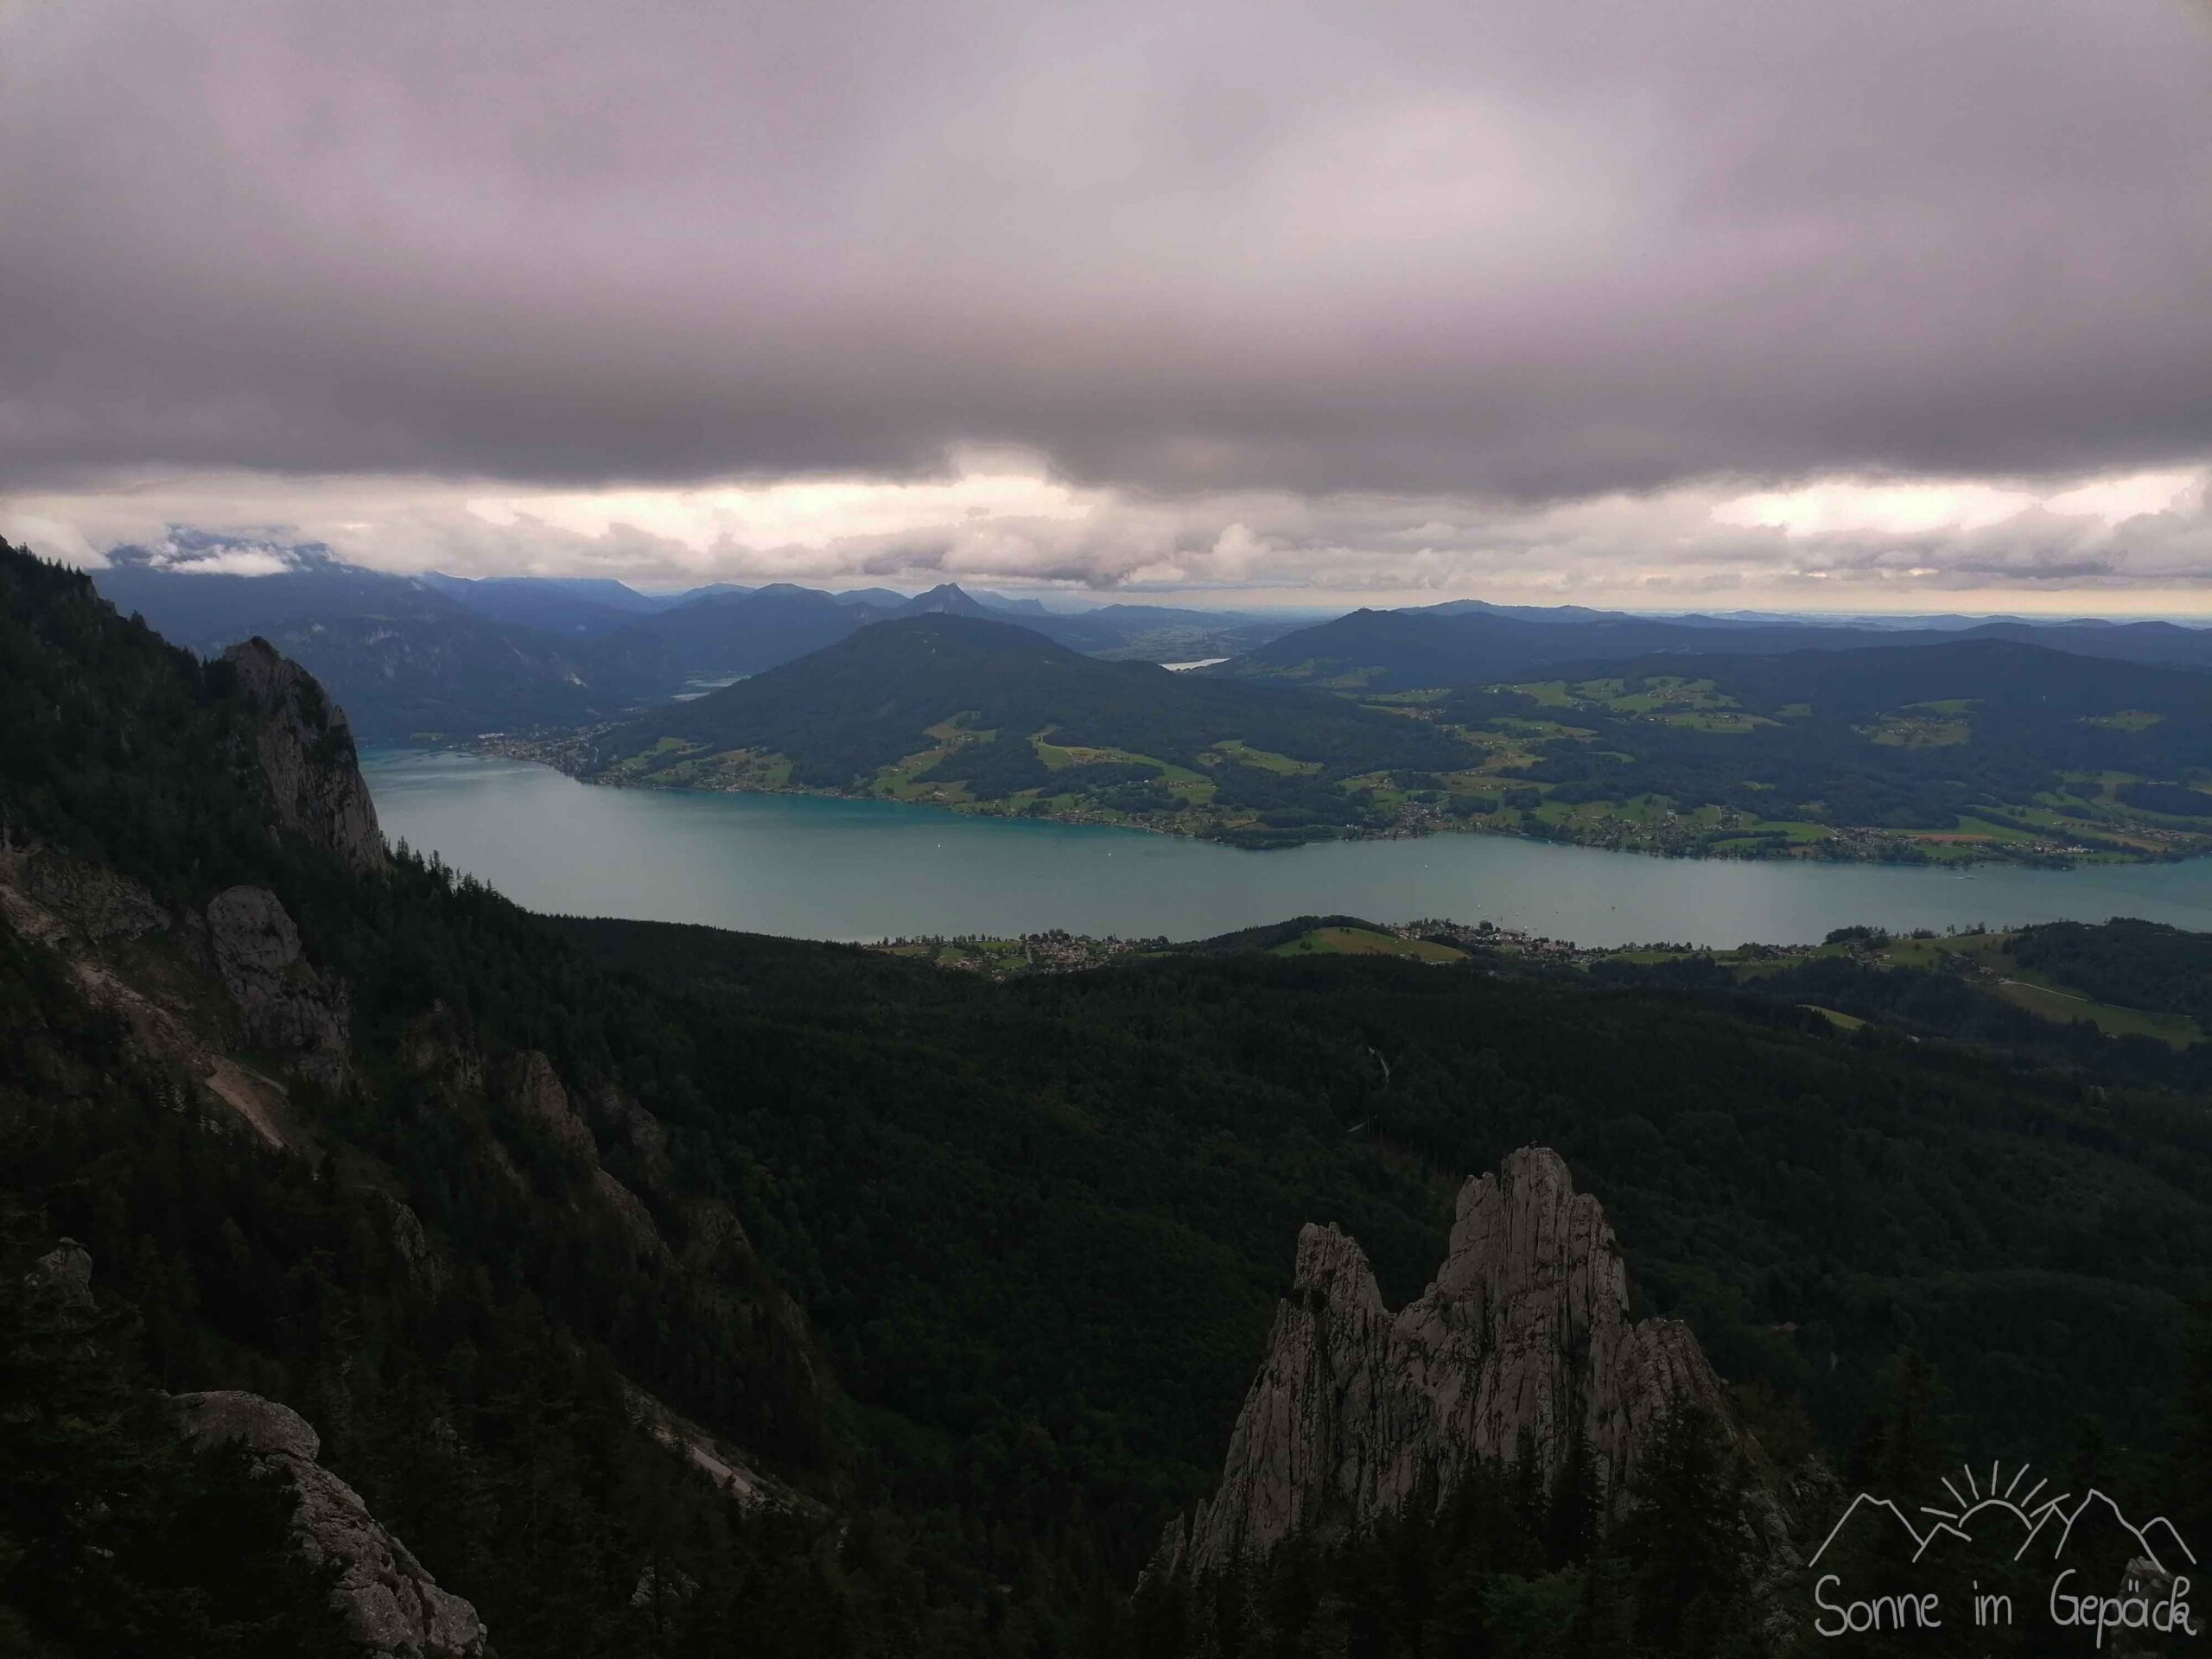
x=1522, y=1346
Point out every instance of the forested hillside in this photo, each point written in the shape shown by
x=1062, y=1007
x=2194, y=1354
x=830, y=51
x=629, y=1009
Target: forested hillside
x=961, y=711
x=1978, y=748
x=967, y=1279
x=1949, y=750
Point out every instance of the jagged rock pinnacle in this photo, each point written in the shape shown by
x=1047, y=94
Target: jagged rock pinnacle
x=1522, y=1345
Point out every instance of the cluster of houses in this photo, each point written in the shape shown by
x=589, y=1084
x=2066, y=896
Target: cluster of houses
x=1054, y=952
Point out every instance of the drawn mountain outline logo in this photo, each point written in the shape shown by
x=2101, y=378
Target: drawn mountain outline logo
x=2052, y=1518
x=2148, y=1587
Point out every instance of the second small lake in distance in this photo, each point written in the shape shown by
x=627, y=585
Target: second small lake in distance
x=812, y=867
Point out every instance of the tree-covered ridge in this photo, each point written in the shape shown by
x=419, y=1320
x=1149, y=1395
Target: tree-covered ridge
x=120, y=746
x=1968, y=749
x=1466, y=643
x=963, y=711
x=2137, y=963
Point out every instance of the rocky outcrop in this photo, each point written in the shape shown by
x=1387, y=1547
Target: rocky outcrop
x=1521, y=1348
x=538, y=1091
x=307, y=756
x=81, y=910
x=283, y=1005
x=418, y=1257
x=391, y=1603
x=625, y=1123
x=96, y=903
x=63, y=1276
x=388, y=1599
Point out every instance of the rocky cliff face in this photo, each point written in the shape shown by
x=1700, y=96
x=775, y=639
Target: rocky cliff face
x=283, y=1004
x=1522, y=1347
x=393, y=1605
x=94, y=903
x=306, y=752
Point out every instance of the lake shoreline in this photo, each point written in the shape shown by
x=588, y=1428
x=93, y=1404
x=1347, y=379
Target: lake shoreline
x=550, y=754
x=857, y=870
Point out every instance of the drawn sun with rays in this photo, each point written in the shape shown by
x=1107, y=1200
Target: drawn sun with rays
x=1979, y=1502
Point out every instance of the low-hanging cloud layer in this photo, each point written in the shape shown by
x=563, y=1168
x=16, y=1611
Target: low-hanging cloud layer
x=1908, y=298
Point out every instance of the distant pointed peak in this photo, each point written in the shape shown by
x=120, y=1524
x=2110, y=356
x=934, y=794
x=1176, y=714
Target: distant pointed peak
x=947, y=597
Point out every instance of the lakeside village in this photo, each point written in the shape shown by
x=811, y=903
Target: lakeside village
x=1435, y=940
x=1430, y=939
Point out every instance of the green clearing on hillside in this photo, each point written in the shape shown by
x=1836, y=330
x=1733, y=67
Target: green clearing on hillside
x=1840, y=1021
x=1949, y=754
x=1364, y=941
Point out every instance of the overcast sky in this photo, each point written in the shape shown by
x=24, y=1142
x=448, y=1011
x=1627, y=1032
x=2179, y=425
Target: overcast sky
x=1898, y=304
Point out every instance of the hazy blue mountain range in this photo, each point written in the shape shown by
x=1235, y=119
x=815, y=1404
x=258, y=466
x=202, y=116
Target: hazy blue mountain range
x=579, y=605
x=725, y=634
x=437, y=657
x=409, y=660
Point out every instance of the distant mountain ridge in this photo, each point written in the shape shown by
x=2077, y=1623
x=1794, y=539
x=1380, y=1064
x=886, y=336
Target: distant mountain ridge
x=580, y=606
x=440, y=657
x=1469, y=643
x=406, y=658
x=437, y=657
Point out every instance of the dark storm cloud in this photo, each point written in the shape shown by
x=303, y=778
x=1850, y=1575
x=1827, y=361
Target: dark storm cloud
x=1482, y=246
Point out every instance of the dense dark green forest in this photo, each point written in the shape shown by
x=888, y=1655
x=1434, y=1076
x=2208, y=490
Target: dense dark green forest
x=2140, y=964
x=1007, y=1252
x=1900, y=737
x=1765, y=1169
x=2130, y=964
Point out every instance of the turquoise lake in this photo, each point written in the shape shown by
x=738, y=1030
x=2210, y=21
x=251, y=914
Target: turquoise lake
x=832, y=869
